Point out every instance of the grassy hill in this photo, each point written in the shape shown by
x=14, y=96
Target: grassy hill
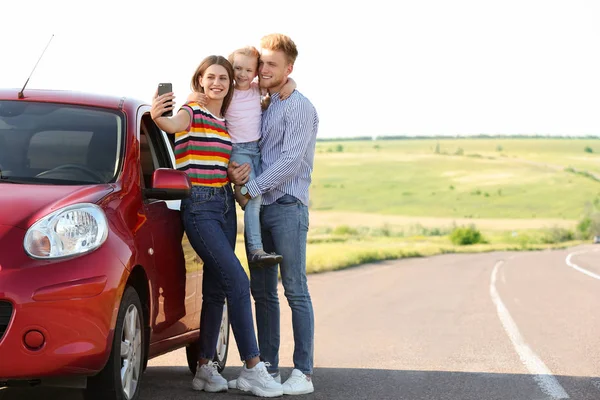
x=460, y=178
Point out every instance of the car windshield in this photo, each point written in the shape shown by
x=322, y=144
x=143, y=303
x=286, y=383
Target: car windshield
x=47, y=143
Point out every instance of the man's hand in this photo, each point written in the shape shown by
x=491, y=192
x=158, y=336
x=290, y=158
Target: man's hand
x=197, y=97
x=238, y=174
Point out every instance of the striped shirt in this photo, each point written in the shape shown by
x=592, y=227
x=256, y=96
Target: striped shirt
x=288, y=137
x=203, y=151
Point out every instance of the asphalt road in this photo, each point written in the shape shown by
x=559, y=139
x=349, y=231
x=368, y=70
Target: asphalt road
x=519, y=326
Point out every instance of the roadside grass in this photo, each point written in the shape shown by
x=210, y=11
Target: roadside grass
x=333, y=256
x=338, y=247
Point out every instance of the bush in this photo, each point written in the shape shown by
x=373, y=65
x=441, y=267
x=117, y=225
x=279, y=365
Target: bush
x=337, y=149
x=557, y=235
x=584, y=227
x=344, y=230
x=588, y=149
x=589, y=225
x=466, y=235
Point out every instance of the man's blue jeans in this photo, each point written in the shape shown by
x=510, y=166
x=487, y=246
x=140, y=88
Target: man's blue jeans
x=284, y=231
x=210, y=224
x=250, y=153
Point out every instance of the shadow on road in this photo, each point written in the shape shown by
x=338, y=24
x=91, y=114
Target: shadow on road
x=173, y=383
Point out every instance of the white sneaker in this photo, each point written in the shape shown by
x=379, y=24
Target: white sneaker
x=208, y=379
x=259, y=382
x=233, y=383
x=298, y=383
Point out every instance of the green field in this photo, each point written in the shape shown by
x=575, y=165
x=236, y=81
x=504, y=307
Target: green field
x=383, y=199
x=493, y=178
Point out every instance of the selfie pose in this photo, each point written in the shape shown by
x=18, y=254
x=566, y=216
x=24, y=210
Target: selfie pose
x=243, y=124
x=203, y=151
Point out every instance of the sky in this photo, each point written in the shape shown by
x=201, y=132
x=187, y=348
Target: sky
x=371, y=68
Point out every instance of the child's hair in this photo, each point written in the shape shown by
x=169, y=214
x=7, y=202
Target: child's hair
x=207, y=62
x=280, y=42
x=249, y=51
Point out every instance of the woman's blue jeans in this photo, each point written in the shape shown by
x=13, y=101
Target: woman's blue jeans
x=249, y=152
x=210, y=224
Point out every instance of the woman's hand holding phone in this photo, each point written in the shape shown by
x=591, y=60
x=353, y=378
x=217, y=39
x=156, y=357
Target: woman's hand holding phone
x=163, y=102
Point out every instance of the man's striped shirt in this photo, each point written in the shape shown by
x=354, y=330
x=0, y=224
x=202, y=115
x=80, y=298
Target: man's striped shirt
x=204, y=150
x=288, y=137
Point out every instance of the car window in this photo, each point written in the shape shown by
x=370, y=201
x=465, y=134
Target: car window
x=48, y=149
x=153, y=151
x=50, y=143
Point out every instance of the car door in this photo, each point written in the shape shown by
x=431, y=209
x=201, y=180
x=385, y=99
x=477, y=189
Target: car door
x=175, y=288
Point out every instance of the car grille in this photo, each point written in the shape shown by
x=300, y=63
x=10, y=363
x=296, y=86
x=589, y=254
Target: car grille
x=5, y=314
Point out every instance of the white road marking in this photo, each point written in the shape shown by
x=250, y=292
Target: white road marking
x=541, y=373
x=577, y=267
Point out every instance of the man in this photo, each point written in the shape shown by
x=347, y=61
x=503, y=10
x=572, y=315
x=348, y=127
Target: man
x=289, y=130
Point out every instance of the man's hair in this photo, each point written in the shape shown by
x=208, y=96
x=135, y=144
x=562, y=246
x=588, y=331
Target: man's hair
x=248, y=51
x=280, y=42
x=207, y=62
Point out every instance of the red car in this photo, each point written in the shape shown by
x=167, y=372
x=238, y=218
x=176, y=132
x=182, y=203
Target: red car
x=96, y=273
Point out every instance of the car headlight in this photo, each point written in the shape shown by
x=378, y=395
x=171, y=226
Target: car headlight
x=72, y=230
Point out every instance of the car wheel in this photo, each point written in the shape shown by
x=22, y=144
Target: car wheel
x=221, y=351
x=121, y=377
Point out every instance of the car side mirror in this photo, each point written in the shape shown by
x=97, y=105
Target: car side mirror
x=169, y=184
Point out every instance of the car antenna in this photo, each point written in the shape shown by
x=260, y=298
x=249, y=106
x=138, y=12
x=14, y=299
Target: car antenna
x=20, y=95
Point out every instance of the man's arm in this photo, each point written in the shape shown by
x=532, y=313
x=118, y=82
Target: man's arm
x=297, y=137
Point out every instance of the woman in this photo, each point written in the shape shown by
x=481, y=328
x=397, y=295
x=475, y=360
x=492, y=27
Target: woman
x=203, y=150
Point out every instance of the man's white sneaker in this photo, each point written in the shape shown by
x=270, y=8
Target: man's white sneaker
x=258, y=381
x=208, y=379
x=233, y=383
x=298, y=383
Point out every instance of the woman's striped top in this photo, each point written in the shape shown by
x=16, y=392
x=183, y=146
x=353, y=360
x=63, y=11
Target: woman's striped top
x=204, y=150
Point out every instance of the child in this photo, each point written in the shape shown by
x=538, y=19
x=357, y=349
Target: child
x=243, y=123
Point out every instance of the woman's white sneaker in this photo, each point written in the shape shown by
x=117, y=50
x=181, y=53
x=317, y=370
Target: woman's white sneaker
x=259, y=382
x=298, y=383
x=208, y=379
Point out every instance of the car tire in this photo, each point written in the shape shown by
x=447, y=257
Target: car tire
x=222, y=349
x=128, y=338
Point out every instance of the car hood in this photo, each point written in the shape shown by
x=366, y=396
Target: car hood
x=21, y=205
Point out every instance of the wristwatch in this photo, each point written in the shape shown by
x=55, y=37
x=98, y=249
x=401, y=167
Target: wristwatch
x=244, y=192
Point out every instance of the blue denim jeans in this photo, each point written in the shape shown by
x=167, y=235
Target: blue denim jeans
x=284, y=231
x=250, y=153
x=210, y=224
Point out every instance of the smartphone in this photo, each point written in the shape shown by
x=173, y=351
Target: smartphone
x=162, y=89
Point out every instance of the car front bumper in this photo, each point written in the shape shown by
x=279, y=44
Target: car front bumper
x=62, y=312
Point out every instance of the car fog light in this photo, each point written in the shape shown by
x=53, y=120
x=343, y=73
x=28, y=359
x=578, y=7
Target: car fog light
x=34, y=340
